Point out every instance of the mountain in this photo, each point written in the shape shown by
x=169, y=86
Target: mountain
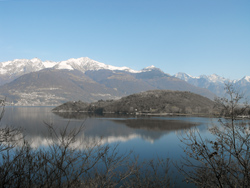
x=19, y=79
x=213, y=83
x=214, y=78
x=11, y=70
x=86, y=64
x=244, y=86
x=55, y=86
x=216, y=84
x=245, y=81
x=51, y=83
x=52, y=87
x=130, y=83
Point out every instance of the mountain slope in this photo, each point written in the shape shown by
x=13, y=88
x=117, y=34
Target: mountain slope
x=55, y=86
x=52, y=87
x=130, y=83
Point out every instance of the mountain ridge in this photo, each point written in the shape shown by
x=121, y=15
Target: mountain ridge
x=55, y=86
x=216, y=84
x=108, y=81
x=18, y=67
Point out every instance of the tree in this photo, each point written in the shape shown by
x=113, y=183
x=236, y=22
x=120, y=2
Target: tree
x=223, y=160
x=9, y=136
x=64, y=163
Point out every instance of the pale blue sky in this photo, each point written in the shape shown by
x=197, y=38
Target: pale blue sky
x=191, y=36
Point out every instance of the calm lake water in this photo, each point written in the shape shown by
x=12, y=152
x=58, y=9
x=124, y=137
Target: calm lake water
x=148, y=137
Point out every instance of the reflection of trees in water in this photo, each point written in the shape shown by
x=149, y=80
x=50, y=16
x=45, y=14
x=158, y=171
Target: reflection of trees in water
x=136, y=123
x=157, y=125
x=83, y=115
x=145, y=128
x=72, y=115
x=108, y=127
x=152, y=129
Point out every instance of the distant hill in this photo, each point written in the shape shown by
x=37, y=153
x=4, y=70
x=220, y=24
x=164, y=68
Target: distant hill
x=154, y=101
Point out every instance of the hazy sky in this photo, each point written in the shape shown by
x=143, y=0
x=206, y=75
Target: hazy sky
x=191, y=36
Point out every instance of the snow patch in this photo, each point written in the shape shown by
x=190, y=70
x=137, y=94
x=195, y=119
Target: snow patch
x=64, y=65
x=215, y=78
x=4, y=64
x=185, y=77
x=247, y=78
x=36, y=60
x=84, y=64
x=149, y=68
x=2, y=71
x=49, y=64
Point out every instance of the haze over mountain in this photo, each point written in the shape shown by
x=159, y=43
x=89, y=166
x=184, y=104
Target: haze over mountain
x=36, y=82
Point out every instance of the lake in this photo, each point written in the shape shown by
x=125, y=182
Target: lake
x=148, y=136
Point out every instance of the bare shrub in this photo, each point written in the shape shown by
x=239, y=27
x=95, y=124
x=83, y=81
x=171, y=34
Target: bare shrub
x=152, y=173
x=65, y=162
x=223, y=160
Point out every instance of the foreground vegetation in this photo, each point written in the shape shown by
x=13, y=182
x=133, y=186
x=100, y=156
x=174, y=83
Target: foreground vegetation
x=223, y=161
x=66, y=163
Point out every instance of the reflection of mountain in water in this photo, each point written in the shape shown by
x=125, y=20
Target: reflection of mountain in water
x=153, y=129
x=145, y=128
x=108, y=128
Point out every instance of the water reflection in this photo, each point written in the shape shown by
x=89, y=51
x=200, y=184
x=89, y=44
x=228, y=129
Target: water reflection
x=156, y=125
x=109, y=128
x=148, y=137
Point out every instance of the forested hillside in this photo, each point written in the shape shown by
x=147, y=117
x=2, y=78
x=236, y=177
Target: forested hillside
x=154, y=101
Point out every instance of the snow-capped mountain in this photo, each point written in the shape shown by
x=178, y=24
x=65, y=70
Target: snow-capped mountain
x=52, y=83
x=84, y=64
x=210, y=78
x=49, y=64
x=245, y=81
x=104, y=80
x=184, y=76
x=20, y=66
x=215, y=83
x=150, y=68
x=12, y=69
